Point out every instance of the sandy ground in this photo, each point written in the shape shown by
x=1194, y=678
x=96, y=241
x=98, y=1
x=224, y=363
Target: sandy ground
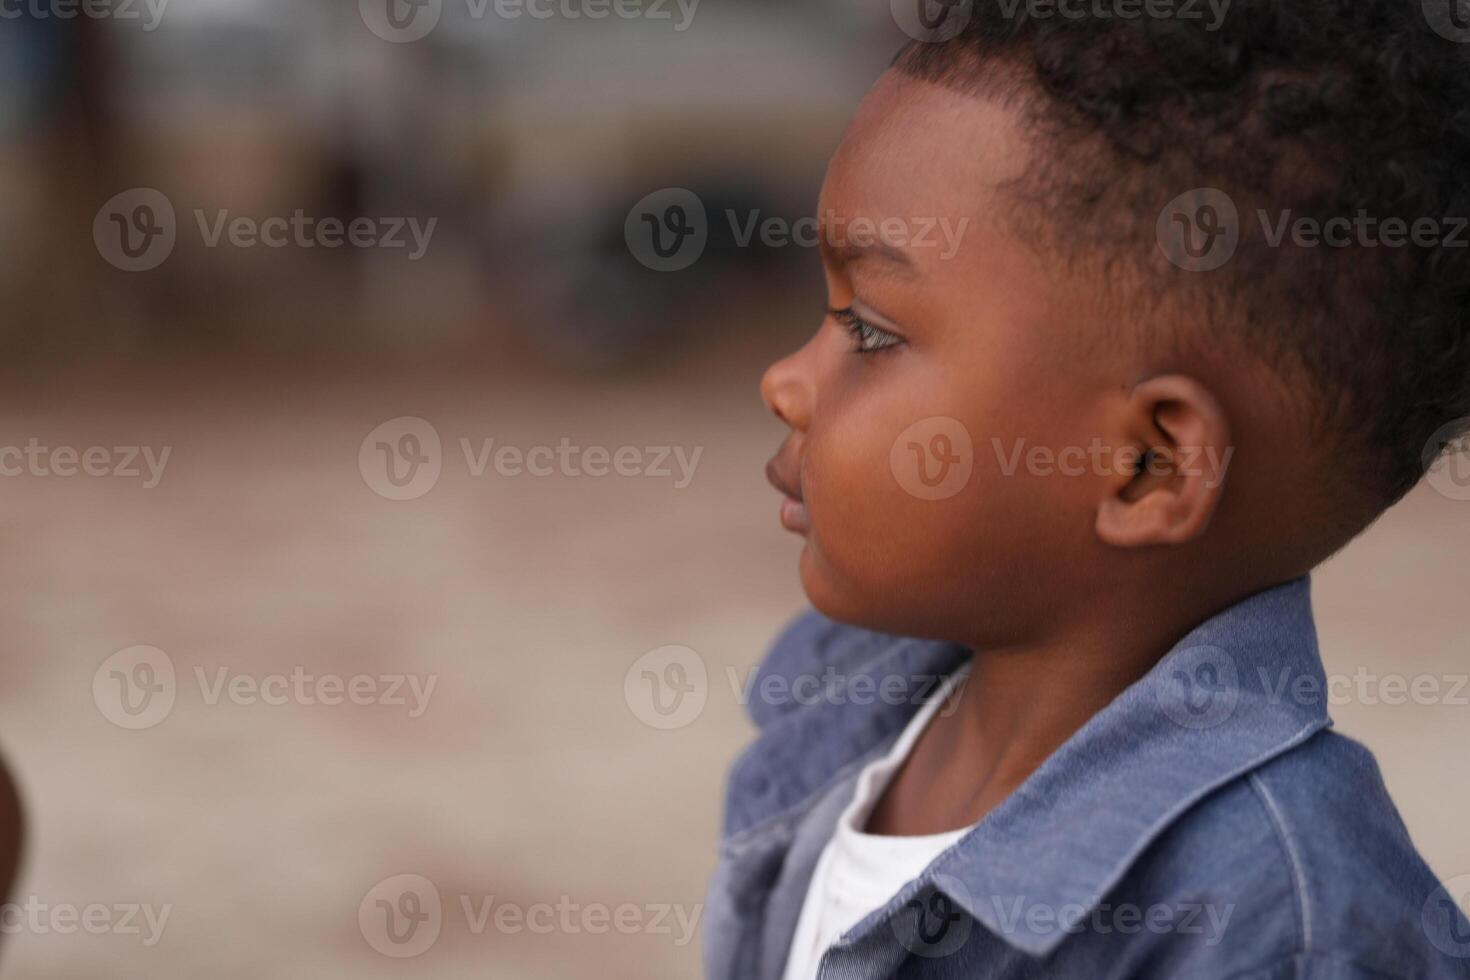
x=528, y=779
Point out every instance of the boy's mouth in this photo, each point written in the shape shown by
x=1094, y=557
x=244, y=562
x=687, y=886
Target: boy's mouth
x=793, y=509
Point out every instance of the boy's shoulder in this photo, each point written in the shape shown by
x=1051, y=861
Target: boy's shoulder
x=1302, y=868
x=1248, y=839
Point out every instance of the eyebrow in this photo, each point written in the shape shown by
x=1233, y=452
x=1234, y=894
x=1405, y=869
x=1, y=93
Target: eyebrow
x=850, y=253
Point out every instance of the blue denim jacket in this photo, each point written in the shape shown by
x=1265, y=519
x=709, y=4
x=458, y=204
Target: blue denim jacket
x=1206, y=824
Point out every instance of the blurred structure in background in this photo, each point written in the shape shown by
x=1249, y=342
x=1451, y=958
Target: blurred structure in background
x=526, y=139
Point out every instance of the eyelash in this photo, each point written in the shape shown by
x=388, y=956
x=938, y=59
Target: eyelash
x=867, y=339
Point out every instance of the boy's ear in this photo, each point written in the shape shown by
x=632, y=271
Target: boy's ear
x=1174, y=451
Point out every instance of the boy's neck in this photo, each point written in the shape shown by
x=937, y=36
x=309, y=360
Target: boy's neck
x=1018, y=706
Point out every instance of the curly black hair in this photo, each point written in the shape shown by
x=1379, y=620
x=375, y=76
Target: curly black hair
x=1323, y=108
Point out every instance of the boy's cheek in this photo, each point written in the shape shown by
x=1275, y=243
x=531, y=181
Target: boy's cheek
x=945, y=568
x=885, y=475
x=875, y=522
x=912, y=510
x=906, y=462
x=891, y=507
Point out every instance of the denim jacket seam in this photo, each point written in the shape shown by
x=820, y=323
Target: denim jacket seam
x=1174, y=815
x=1293, y=858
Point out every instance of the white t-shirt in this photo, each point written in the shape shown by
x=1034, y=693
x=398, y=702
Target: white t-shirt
x=857, y=872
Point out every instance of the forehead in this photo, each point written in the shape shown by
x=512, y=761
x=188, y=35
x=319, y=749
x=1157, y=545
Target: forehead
x=919, y=150
x=939, y=162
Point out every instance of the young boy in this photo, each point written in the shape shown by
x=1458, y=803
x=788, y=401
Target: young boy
x=1079, y=468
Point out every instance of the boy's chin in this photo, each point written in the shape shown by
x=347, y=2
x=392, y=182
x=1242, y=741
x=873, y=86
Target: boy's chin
x=870, y=608
x=826, y=592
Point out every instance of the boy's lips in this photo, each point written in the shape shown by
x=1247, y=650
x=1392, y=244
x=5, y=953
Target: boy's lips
x=793, y=508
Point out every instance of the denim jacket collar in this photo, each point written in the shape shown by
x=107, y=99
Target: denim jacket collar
x=1218, y=705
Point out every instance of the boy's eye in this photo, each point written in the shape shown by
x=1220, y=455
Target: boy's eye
x=866, y=338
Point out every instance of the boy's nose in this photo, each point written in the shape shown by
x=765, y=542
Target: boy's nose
x=786, y=390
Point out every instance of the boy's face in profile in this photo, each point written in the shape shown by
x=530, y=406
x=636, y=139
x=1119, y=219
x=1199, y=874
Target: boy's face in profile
x=941, y=369
x=976, y=342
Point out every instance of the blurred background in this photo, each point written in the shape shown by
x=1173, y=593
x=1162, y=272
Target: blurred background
x=200, y=384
